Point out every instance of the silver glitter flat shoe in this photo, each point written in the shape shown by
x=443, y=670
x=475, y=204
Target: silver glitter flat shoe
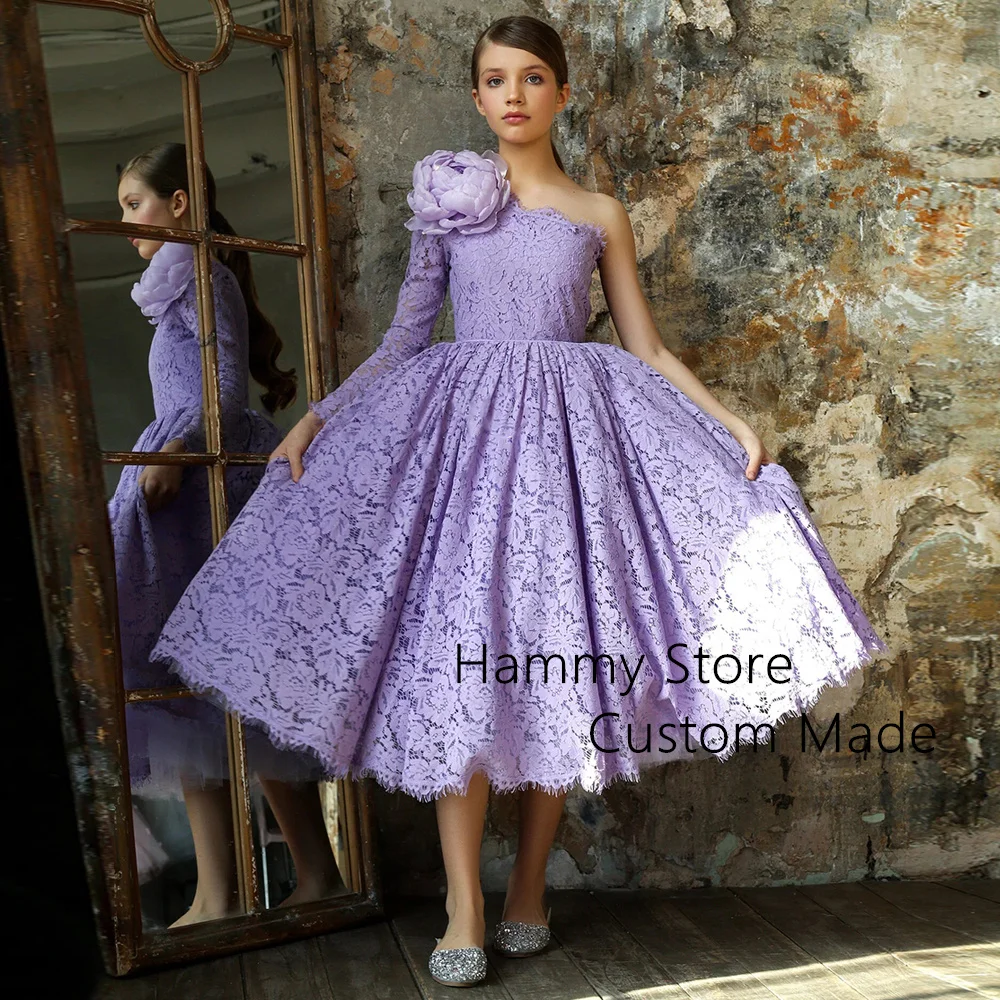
x=515, y=939
x=457, y=966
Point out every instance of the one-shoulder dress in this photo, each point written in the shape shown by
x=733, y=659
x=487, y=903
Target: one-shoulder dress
x=158, y=553
x=486, y=526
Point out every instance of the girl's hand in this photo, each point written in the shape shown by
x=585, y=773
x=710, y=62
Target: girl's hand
x=161, y=483
x=296, y=441
x=758, y=454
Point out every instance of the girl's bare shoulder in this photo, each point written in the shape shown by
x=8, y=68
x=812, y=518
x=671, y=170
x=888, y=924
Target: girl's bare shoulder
x=580, y=205
x=602, y=210
x=608, y=212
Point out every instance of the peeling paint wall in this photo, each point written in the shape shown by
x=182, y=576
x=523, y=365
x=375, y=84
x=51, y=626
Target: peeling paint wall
x=814, y=192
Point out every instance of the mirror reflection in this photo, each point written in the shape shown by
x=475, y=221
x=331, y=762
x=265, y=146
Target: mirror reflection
x=276, y=287
x=185, y=844
x=295, y=836
x=119, y=133
x=245, y=133
x=153, y=189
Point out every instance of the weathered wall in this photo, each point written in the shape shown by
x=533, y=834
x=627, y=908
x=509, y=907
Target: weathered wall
x=814, y=191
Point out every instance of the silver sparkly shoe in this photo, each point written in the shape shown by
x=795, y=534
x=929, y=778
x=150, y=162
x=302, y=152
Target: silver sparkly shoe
x=515, y=939
x=457, y=966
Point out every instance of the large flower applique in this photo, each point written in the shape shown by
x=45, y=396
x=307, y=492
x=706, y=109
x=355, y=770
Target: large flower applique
x=461, y=192
x=170, y=271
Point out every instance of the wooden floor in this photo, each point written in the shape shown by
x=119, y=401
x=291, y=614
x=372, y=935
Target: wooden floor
x=856, y=941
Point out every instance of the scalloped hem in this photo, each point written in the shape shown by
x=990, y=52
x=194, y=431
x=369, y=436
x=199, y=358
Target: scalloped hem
x=391, y=782
x=871, y=645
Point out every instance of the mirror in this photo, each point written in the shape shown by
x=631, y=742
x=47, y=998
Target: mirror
x=189, y=27
x=221, y=826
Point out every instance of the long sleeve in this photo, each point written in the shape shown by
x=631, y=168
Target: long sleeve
x=233, y=358
x=420, y=299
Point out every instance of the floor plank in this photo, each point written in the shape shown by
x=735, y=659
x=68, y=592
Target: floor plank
x=612, y=961
x=927, y=947
x=977, y=918
x=706, y=970
x=848, y=954
x=854, y=941
x=365, y=963
x=987, y=888
x=288, y=972
x=216, y=979
x=776, y=961
x=138, y=988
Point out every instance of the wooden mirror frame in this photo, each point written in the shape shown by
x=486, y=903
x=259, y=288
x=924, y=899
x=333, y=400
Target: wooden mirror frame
x=61, y=461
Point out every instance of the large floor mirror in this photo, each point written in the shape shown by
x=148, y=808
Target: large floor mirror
x=200, y=835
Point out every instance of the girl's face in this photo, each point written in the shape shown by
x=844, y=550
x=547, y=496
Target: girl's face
x=141, y=204
x=517, y=81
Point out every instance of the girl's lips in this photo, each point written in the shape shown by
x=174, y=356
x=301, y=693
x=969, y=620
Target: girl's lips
x=515, y=118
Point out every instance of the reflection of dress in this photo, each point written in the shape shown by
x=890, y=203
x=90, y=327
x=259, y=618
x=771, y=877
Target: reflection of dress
x=157, y=554
x=517, y=491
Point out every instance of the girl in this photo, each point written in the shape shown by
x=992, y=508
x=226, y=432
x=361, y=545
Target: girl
x=493, y=561
x=161, y=526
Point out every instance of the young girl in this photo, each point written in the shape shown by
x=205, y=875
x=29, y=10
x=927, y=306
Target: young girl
x=161, y=527
x=494, y=561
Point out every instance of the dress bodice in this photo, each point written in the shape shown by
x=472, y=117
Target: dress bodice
x=527, y=278
x=167, y=295
x=524, y=279
x=175, y=350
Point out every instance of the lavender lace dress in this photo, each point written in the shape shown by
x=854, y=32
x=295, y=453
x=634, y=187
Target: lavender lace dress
x=158, y=553
x=519, y=491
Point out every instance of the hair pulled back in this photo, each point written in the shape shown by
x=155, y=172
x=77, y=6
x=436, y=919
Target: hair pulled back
x=164, y=169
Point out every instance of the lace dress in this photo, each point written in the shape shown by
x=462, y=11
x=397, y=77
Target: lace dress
x=158, y=553
x=517, y=492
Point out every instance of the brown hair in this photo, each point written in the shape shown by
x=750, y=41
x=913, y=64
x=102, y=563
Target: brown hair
x=164, y=169
x=523, y=31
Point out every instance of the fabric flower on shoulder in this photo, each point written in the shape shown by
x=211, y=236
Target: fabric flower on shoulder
x=457, y=191
x=170, y=271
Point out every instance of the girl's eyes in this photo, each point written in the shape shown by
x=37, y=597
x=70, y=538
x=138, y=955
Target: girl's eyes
x=533, y=75
x=133, y=205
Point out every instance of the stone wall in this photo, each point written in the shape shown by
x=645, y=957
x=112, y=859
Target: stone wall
x=814, y=192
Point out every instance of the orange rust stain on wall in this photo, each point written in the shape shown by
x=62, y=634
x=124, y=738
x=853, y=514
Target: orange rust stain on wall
x=945, y=229
x=851, y=163
x=840, y=361
x=383, y=37
x=382, y=81
x=821, y=93
x=728, y=353
x=761, y=138
x=339, y=171
x=341, y=138
x=840, y=195
x=910, y=192
x=845, y=266
x=795, y=286
x=819, y=101
x=424, y=55
x=830, y=341
x=900, y=164
x=335, y=67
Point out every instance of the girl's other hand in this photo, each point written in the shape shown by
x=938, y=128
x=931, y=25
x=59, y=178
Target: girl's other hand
x=758, y=454
x=296, y=441
x=161, y=483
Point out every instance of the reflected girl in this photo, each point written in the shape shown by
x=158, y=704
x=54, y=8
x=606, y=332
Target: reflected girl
x=161, y=526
